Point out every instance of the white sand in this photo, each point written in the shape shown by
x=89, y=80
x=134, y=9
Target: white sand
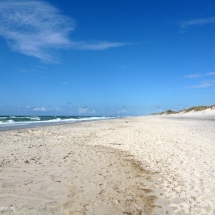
x=140, y=165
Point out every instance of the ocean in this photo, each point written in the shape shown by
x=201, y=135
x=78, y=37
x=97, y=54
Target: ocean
x=15, y=122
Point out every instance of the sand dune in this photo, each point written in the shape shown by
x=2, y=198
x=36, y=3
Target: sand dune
x=208, y=113
x=139, y=165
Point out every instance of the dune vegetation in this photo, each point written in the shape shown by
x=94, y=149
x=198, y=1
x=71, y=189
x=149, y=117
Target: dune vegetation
x=195, y=108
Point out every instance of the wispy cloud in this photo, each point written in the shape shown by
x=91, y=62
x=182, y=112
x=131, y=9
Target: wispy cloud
x=83, y=110
x=122, y=111
x=32, y=28
x=28, y=70
x=203, y=84
x=192, y=22
x=92, y=112
x=86, y=110
x=96, y=45
x=209, y=73
x=35, y=28
x=40, y=109
x=198, y=75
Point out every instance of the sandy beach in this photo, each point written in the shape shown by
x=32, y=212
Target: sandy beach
x=128, y=166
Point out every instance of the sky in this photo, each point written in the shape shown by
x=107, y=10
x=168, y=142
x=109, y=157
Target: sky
x=106, y=57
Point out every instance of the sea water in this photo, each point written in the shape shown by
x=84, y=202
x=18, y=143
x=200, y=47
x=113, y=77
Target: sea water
x=14, y=122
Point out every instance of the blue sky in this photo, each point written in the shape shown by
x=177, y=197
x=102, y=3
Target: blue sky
x=106, y=57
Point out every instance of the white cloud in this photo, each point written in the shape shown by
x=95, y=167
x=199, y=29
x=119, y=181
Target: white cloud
x=122, y=111
x=202, y=85
x=92, y=111
x=65, y=83
x=82, y=110
x=40, y=109
x=95, y=45
x=198, y=75
x=209, y=73
x=193, y=75
x=184, y=24
x=34, y=28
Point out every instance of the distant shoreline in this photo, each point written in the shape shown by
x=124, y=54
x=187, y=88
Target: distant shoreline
x=44, y=124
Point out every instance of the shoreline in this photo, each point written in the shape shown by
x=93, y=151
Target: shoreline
x=44, y=124
x=148, y=165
